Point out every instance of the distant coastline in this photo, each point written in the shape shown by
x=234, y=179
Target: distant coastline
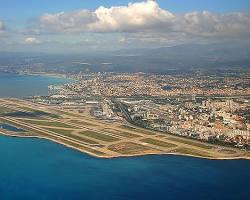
x=43, y=74
x=53, y=75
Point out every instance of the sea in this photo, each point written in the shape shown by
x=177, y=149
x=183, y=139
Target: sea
x=37, y=169
x=20, y=86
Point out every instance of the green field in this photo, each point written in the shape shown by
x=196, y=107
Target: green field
x=158, y=143
x=99, y=136
x=69, y=133
x=189, y=151
x=128, y=148
x=48, y=123
x=60, y=131
x=227, y=151
x=122, y=133
x=27, y=109
x=192, y=143
x=83, y=123
x=39, y=113
x=130, y=128
x=67, y=113
x=4, y=110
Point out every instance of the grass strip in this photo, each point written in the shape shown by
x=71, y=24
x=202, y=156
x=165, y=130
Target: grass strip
x=137, y=130
x=129, y=148
x=68, y=133
x=192, y=143
x=122, y=133
x=158, y=143
x=99, y=136
x=48, y=123
x=193, y=152
x=83, y=123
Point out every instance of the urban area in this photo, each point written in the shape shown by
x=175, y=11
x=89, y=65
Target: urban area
x=207, y=107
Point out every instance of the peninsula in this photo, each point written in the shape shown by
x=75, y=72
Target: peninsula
x=76, y=128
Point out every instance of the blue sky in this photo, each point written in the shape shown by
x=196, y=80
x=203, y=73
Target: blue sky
x=19, y=16
x=16, y=9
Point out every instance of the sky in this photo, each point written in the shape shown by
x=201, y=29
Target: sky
x=91, y=25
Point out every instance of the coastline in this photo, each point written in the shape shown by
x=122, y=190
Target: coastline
x=53, y=75
x=122, y=156
x=45, y=75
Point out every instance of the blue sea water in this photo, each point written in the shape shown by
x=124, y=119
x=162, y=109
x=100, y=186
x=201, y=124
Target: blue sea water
x=39, y=169
x=14, y=85
x=36, y=169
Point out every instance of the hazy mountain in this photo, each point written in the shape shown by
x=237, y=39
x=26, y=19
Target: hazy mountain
x=181, y=57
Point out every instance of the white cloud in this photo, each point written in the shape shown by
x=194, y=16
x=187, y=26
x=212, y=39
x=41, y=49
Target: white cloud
x=208, y=24
x=75, y=21
x=134, y=17
x=31, y=41
x=131, y=18
x=147, y=18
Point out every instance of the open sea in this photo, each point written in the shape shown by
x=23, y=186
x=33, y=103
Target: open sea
x=37, y=169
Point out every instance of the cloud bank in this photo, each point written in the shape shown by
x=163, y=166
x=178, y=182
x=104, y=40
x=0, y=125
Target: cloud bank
x=2, y=28
x=149, y=18
x=137, y=25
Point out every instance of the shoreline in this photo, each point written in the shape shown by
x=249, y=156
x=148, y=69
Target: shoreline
x=58, y=76
x=45, y=75
x=122, y=156
x=51, y=75
x=36, y=74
